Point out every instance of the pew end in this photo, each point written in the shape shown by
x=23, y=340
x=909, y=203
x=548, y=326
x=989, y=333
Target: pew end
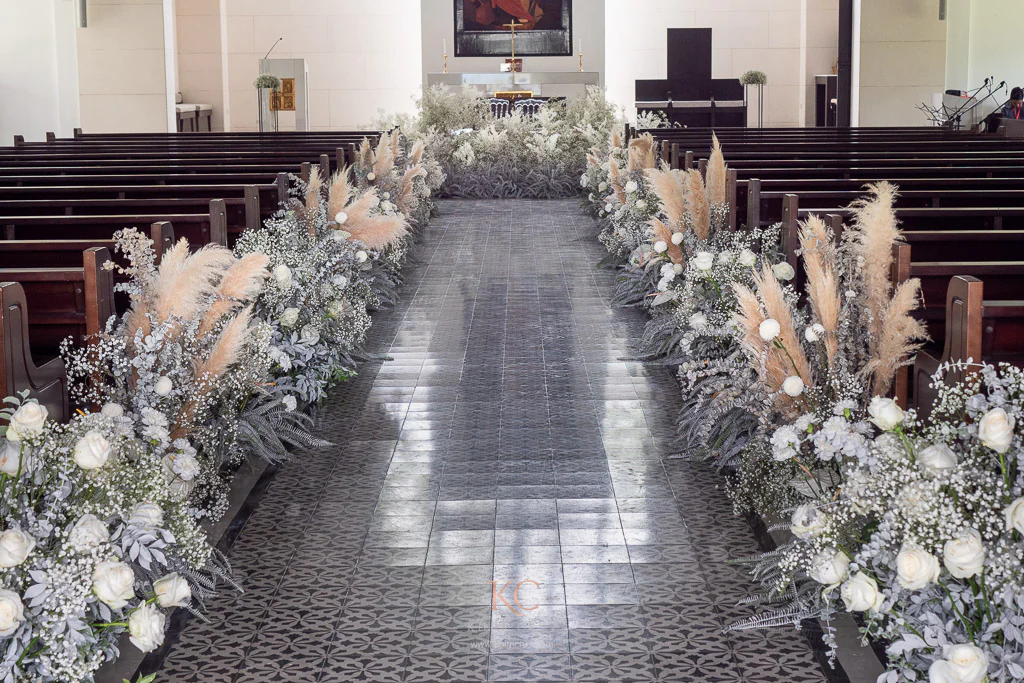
x=47, y=383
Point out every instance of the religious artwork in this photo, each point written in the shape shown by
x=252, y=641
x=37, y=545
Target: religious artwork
x=487, y=28
x=284, y=99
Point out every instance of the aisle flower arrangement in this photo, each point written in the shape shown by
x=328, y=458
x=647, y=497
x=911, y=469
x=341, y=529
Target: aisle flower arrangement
x=103, y=517
x=915, y=526
x=521, y=156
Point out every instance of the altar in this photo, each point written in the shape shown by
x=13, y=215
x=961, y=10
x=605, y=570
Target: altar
x=539, y=84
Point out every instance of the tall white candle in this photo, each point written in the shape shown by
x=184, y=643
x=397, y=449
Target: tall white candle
x=444, y=44
x=580, y=43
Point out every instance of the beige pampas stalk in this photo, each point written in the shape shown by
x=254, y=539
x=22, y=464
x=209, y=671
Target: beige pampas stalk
x=716, y=173
x=875, y=229
x=749, y=317
x=407, y=192
x=181, y=286
x=416, y=155
x=671, y=188
x=697, y=205
x=819, y=255
x=242, y=282
x=376, y=232
x=615, y=141
x=313, y=187
x=615, y=178
x=662, y=232
x=340, y=193
x=365, y=159
x=642, y=153
x=229, y=344
x=901, y=336
x=791, y=360
x=384, y=157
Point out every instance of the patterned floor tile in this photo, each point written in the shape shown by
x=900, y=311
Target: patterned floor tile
x=505, y=441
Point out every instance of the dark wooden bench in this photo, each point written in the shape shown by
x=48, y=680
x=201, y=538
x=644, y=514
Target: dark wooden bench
x=977, y=328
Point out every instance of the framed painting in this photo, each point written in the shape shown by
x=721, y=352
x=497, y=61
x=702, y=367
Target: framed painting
x=483, y=28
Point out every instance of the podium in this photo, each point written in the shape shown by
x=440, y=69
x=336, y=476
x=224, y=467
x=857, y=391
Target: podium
x=289, y=108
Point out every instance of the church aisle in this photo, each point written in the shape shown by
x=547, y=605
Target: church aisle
x=507, y=443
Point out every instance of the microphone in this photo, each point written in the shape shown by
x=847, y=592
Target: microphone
x=273, y=46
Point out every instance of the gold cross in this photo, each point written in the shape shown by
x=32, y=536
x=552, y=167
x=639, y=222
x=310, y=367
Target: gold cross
x=513, y=26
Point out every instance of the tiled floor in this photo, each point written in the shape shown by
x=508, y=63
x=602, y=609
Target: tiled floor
x=505, y=446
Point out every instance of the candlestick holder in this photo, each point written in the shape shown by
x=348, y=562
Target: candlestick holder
x=446, y=62
x=581, y=62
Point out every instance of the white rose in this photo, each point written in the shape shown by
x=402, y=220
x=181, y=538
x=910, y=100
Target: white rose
x=704, y=260
x=290, y=317
x=964, y=663
x=608, y=207
x=113, y=583
x=747, y=258
x=27, y=421
x=172, y=591
x=92, y=451
x=340, y=281
x=1014, y=515
x=371, y=176
x=310, y=335
x=996, y=430
x=677, y=268
x=725, y=257
x=631, y=187
x=861, y=594
x=113, y=411
x=361, y=256
x=341, y=218
x=783, y=271
x=964, y=556
x=88, y=533
x=164, y=386
x=830, y=568
x=808, y=522
x=660, y=246
x=602, y=187
x=12, y=612
x=15, y=546
x=641, y=204
x=698, y=321
x=11, y=457
x=290, y=403
x=937, y=459
x=146, y=515
x=793, y=386
x=584, y=180
x=769, y=329
x=814, y=332
x=916, y=568
x=885, y=413
x=283, y=276
x=677, y=238
x=386, y=195
x=146, y=628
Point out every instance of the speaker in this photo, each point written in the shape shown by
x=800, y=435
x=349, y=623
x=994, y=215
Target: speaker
x=83, y=19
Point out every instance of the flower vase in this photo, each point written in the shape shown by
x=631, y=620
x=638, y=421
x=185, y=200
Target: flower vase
x=267, y=114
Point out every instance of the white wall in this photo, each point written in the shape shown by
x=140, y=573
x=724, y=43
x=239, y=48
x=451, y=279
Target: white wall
x=200, y=73
x=122, y=67
x=902, y=60
x=362, y=56
x=769, y=35
x=588, y=25
x=38, y=69
x=995, y=44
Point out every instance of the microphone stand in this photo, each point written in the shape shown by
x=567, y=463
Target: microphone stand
x=956, y=116
x=984, y=99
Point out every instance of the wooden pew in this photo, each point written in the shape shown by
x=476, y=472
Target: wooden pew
x=200, y=229
x=66, y=302
x=977, y=329
x=68, y=253
x=48, y=382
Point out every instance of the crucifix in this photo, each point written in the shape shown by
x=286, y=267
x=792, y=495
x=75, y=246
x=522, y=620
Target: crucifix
x=513, y=26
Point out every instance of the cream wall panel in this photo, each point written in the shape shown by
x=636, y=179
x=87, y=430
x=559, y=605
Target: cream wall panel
x=108, y=72
x=198, y=34
x=124, y=113
x=123, y=27
x=240, y=34
x=902, y=60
